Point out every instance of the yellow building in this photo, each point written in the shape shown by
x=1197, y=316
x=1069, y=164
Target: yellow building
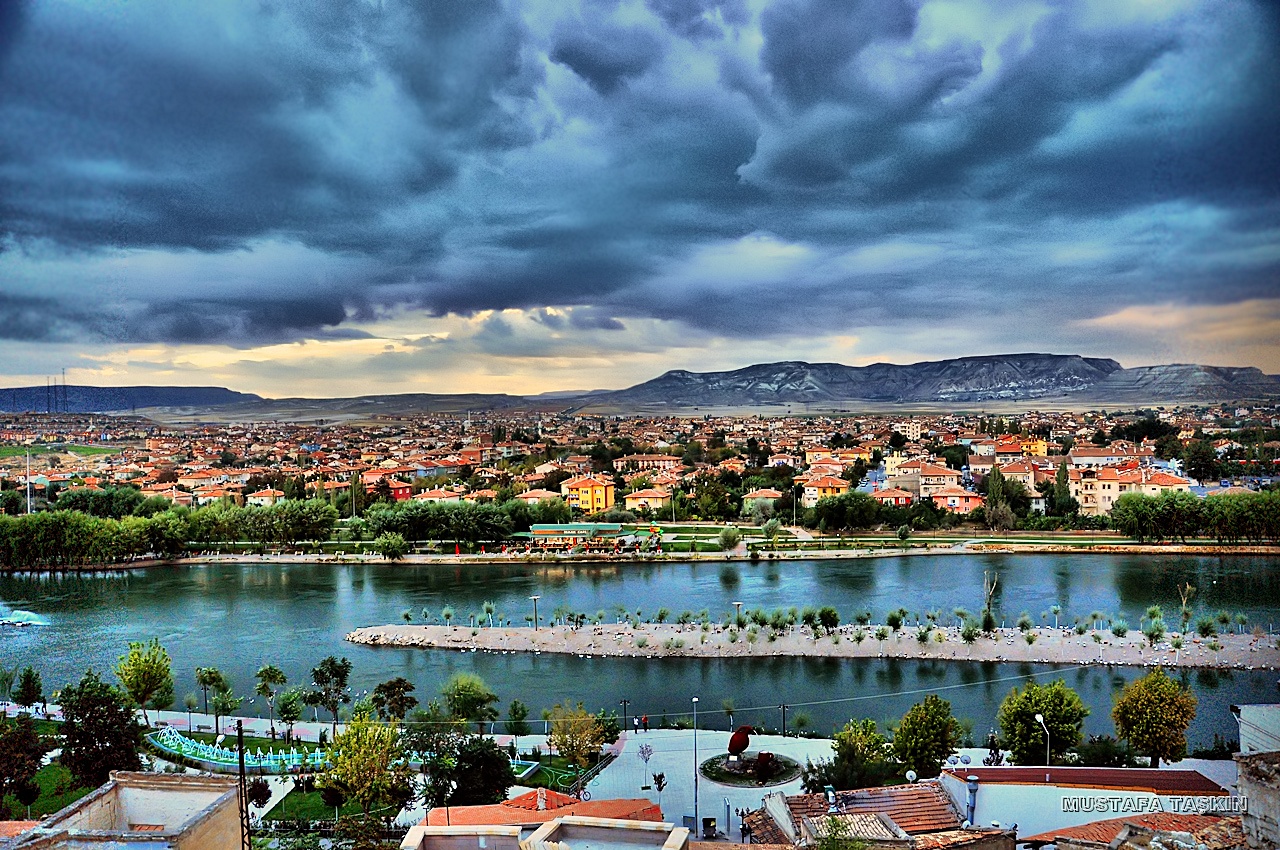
x=823, y=487
x=1035, y=447
x=588, y=493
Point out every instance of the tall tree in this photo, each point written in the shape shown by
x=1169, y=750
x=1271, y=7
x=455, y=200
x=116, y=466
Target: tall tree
x=270, y=677
x=927, y=735
x=100, y=730
x=367, y=762
x=862, y=759
x=394, y=698
x=517, y=720
x=329, y=679
x=145, y=671
x=468, y=698
x=1063, y=503
x=483, y=770
x=20, y=754
x=1024, y=737
x=225, y=703
x=575, y=733
x=210, y=679
x=29, y=690
x=290, y=709
x=1153, y=714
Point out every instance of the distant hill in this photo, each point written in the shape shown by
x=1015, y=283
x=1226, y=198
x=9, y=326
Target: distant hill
x=963, y=380
x=80, y=399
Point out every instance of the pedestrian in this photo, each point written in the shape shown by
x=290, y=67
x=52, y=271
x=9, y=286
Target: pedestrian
x=644, y=721
x=636, y=722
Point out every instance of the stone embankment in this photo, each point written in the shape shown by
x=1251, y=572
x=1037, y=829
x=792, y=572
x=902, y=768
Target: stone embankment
x=1239, y=651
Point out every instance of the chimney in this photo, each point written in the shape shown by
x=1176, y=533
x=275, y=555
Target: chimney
x=973, y=797
x=542, y=799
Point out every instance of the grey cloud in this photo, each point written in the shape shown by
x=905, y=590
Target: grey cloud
x=605, y=55
x=688, y=18
x=428, y=141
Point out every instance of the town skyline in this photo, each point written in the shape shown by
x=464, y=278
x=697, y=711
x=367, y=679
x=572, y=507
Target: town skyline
x=528, y=198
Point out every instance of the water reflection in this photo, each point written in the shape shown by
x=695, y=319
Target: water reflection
x=238, y=617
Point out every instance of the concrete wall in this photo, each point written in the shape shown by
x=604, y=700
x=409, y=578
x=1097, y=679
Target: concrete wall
x=1039, y=808
x=220, y=829
x=171, y=807
x=1259, y=783
x=423, y=837
x=1259, y=728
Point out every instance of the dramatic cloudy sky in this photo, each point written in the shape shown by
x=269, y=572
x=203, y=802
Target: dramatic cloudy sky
x=351, y=196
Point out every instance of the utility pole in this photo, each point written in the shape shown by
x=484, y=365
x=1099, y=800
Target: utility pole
x=28, y=481
x=243, y=788
x=784, y=719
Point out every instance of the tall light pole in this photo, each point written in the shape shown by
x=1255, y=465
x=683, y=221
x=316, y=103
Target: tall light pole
x=697, y=824
x=737, y=617
x=535, y=599
x=1040, y=720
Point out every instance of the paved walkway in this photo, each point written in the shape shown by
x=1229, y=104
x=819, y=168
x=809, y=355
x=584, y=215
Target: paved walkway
x=673, y=756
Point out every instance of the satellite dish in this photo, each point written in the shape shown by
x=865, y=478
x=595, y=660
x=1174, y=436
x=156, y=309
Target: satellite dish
x=966, y=825
x=217, y=742
x=965, y=759
x=911, y=776
x=952, y=760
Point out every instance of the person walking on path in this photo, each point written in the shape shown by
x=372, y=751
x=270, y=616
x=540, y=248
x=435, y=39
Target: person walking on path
x=644, y=721
x=636, y=721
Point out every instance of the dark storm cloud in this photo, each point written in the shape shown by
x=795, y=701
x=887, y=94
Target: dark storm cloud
x=902, y=163
x=605, y=56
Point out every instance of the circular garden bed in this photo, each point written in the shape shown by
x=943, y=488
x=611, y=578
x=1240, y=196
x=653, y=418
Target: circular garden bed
x=751, y=769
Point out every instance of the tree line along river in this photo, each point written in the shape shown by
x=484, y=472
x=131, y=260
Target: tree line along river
x=240, y=616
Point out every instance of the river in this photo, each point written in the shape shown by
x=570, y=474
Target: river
x=238, y=617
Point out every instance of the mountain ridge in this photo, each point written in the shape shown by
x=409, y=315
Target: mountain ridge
x=956, y=381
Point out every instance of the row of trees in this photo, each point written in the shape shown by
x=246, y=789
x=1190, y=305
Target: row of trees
x=1151, y=714
x=62, y=538
x=1229, y=518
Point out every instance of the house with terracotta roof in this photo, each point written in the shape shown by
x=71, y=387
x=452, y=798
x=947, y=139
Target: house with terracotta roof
x=764, y=494
x=264, y=497
x=650, y=497
x=1209, y=831
x=537, y=495
x=956, y=500
x=918, y=816
x=438, y=495
x=894, y=496
x=823, y=487
x=541, y=805
x=589, y=493
x=1043, y=799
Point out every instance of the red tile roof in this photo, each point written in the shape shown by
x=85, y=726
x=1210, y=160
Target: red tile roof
x=12, y=828
x=524, y=810
x=923, y=807
x=1103, y=831
x=1182, y=782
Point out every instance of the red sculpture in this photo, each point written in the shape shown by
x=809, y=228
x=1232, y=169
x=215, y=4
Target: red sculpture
x=739, y=740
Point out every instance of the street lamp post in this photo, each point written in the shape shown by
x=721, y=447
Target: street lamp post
x=737, y=617
x=696, y=823
x=1040, y=720
x=535, y=599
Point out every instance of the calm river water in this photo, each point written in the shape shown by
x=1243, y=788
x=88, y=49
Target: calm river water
x=238, y=617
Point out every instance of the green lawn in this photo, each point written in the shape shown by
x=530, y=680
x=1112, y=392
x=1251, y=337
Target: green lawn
x=83, y=451
x=559, y=766
x=301, y=805
x=57, y=790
